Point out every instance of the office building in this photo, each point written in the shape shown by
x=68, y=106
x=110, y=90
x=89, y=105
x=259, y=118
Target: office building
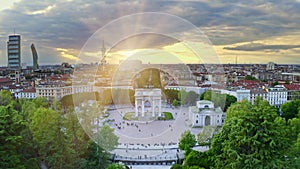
x=14, y=52
x=35, y=57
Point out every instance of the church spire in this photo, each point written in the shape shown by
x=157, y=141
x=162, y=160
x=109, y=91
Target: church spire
x=103, y=50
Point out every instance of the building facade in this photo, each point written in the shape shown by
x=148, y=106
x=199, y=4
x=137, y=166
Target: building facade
x=255, y=93
x=277, y=95
x=26, y=93
x=34, y=57
x=56, y=92
x=148, y=101
x=243, y=95
x=205, y=114
x=14, y=52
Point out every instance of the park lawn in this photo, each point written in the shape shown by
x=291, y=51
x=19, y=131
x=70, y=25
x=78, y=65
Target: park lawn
x=129, y=116
x=167, y=116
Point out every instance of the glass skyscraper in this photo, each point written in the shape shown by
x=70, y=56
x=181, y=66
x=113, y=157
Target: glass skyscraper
x=35, y=57
x=14, y=52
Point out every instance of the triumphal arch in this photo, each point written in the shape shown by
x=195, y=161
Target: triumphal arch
x=148, y=100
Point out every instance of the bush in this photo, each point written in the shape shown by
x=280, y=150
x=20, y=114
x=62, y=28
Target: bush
x=129, y=116
x=176, y=166
x=167, y=116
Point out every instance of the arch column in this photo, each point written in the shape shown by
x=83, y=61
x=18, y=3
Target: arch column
x=159, y=108
x=153, y=104
x=143, y=108
x=136, y=108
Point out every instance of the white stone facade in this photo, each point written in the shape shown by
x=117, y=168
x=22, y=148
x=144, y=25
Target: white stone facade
x=148, y=101
x=277, y=95
x=27, y=94
x=243, y=95
x=205, y=114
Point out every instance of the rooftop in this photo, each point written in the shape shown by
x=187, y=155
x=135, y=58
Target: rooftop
x=29, y=90
x=292, y=86
x=5, y=80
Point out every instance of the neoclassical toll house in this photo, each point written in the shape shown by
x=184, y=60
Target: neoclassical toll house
x=205, y=114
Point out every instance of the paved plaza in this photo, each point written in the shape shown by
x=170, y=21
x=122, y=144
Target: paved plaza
x=149, y=139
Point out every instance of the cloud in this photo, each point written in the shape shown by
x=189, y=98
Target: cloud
x=67, y=54
x=280, y=49
x=7, y=4
x=260, y=47
x=42, y=11
x=142, y=41
x=68, y=24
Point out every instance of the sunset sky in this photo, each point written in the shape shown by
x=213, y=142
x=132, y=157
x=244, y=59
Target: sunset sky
x=255, y=31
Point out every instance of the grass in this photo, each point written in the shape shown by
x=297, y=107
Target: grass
x=129, y=116
x=166, y=116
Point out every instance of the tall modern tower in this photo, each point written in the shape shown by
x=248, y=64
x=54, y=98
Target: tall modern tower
x=14, y=52
x=35, y=57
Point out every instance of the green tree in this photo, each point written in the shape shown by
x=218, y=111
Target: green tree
x=29, y=146
x=296, y=151
x=295, y=95
x=175, y=103
x=10, y=138
x=89, y=112
x=206, y=95
x=191, y=98
x=182, y=97
x=197, y=158
x=188, y=98
x=171, y=95
x=290, y=109
x=204, y=138
x=220, y=100
x=253, y=136
x=5, y=98
x=41, y=102
x=195, y=167
x=187, y=140
x=107, y=139
x=176, y=166
x=50, y=138
x=249, y=77
x=117, y=166
x=274, y=84
x=293, y=155
x=228, y=101
x=78, y=140
x=96, y=156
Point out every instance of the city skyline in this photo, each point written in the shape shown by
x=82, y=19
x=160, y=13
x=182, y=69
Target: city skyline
x=253, y=32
